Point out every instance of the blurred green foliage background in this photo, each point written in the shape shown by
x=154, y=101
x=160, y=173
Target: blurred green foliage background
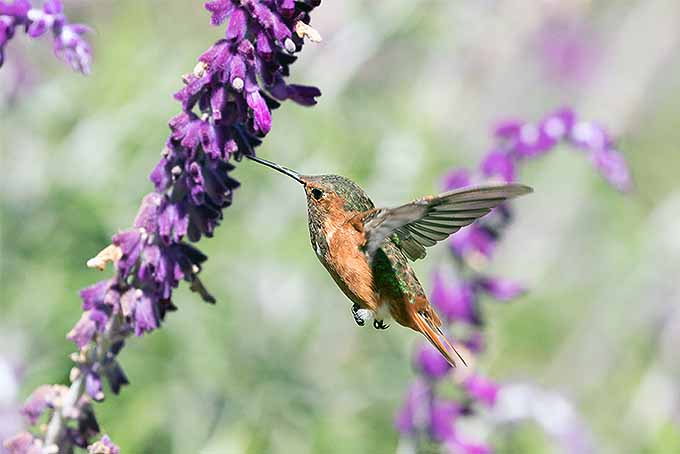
x=411, y=89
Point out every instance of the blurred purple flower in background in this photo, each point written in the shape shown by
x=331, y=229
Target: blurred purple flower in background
x=568, y=49
x=458, y=300
x=226, y=110
x=69, y=44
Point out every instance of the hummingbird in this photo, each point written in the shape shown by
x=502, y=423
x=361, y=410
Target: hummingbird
x=367, y=250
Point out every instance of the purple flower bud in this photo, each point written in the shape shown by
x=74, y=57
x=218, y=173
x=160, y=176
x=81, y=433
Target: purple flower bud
x=558, y=125
x=287, y=8
x=263, y=118
x=457, y=446
x=458, y=178
x=17, y=8
x=508, y=129
x=71, y=47
x=93, y=296
x=413, y=414
x=473, y=240
x=24, y=442
x=429, y=362
x=39, y=22
x=475, y=342
x=115, y=376
x=303, y=95
x=500, y=288
x=147, y=215
x=455, y=301
x=146, y=314
x=93, y=386
x=589, y=136
x=220, y=9
x=532, y=141
x=173, y=222
x=130, y=242
x=482, y=389
x=500, y=165
x=238, y=25
x=103, y=446
x=443, y=415
x=613, y=168
x=83, y=331
x=38, y=402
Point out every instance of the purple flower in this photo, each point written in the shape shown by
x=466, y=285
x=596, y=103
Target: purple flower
x=532, y=141
x=430, y=363
x=83, y=331
x=103, y=446
x=500, y=165
x=589, y=136
x=458, y=446
x=475, y=342
x=473, y=242
x=93, y=385
x=24, y=443
x=481, y=389
x=69, y=44
x=472, y=247
x=226, y=106
x=507, y=129
x=559, y=124
x=412, y=416
x=455, y=179
x=38, y=402
x=455, y=301
x=567, y=49
x=613, y=167
x=500, y=288
x=443, y=415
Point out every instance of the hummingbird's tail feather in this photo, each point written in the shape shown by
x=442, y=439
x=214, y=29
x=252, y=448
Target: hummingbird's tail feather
x=433, y=333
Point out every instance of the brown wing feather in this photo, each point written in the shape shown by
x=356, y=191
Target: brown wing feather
x=424, y=222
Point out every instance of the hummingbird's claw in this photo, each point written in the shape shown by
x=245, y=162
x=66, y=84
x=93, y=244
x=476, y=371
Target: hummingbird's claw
x=357, y=318
x=379, y=324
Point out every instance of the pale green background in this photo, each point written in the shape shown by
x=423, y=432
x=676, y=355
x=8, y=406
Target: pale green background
x=410, y=90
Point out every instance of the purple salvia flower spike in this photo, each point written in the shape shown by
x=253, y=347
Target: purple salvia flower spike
x=225, y=105
x=69, y=44
x=472, y=248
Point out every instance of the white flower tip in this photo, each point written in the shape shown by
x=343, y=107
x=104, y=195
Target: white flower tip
x=199, y=69
x=110, y=253
x=304, y=30
x=237, y=84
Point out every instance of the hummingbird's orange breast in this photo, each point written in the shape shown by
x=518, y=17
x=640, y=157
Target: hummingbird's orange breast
x=349, y=266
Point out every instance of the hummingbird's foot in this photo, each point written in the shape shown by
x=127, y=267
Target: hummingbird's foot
x=361, y=316
x=380, y=324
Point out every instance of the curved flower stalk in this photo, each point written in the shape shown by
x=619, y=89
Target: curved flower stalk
x=69, y=44
x=226, y=110
x=425, y=416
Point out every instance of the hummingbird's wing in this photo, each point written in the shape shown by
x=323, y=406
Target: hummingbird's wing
x=424, y=222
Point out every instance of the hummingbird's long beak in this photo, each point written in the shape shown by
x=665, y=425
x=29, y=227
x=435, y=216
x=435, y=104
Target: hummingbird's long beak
x=294, y=175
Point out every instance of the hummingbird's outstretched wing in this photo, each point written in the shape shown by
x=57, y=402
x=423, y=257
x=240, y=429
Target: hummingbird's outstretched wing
x=424, y=222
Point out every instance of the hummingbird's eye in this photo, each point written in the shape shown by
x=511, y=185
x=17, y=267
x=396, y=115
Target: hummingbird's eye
x=317, y=193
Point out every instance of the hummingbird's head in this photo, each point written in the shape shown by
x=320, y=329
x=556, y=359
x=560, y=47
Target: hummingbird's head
x=327, y=195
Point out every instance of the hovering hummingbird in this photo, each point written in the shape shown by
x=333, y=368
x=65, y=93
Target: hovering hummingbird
x=366, y=249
